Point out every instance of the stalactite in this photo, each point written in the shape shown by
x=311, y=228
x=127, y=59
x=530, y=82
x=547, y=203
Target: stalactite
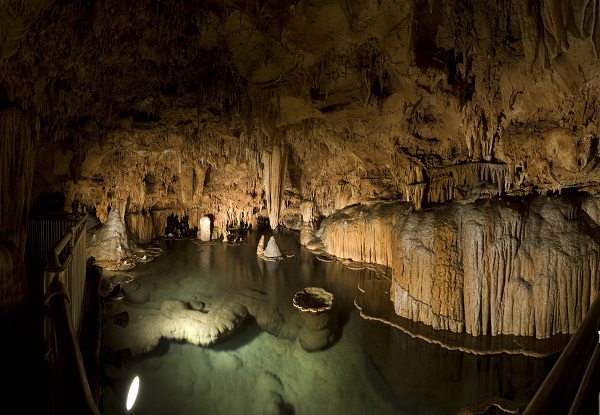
x=141, y=225
x=275, y=167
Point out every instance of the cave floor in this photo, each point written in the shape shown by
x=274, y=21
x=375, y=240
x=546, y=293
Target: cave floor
x=370, y=368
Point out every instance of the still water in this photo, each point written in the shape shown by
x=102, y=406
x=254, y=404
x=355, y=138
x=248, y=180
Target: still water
x=369, y=369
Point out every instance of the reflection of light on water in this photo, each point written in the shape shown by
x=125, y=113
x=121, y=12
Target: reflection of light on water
x=371, y=368
x=133, y=392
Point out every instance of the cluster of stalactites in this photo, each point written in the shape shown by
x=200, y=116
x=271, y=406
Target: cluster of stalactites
x=468, y=181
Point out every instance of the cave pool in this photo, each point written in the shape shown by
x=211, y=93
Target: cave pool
x=371, y=368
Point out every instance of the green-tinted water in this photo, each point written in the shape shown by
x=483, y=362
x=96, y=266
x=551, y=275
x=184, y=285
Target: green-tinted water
x=370, y=369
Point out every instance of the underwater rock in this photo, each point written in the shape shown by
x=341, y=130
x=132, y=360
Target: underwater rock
x=136, y=293
x=175, y=320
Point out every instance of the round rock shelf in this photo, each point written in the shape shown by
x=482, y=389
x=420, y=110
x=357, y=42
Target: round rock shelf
x=313, y=300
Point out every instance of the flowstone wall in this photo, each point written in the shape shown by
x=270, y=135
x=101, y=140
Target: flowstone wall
x=527, y=268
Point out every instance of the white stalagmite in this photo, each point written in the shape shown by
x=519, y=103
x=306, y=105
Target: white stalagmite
x=306, y=208
x=490, y=267
x=111, y=243
x=205, y=229
x=272, y=250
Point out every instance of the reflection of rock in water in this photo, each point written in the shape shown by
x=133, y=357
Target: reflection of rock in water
x=374, y=304
x=494, y=405
x=456, y=374
x=268, y=400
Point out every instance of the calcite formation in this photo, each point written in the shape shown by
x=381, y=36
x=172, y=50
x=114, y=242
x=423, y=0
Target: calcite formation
x=178, y=320
x=290, y=112
x=205, y=231
x=527, y=268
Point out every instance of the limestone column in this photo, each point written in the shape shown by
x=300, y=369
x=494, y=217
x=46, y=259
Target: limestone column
x=274, y=169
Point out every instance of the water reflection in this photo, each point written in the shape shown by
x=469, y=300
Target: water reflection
x=371, y=368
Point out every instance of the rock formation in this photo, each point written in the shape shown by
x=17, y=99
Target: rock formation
x=260, y=248
x=205, y=232
x=244, y=110
x=177, y=320
x=272, y=250
x=491, y=267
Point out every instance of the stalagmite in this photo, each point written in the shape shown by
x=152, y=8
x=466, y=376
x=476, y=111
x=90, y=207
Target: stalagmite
x=204, y=234
x=307, y=226
x=111, y=245
x=272, y=250
x=260, y=248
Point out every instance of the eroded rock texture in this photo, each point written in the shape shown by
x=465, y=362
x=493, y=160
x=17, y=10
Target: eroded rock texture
x=527, y=268
x=294, y=110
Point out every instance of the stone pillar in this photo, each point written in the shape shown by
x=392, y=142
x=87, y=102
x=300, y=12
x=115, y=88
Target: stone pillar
x=204, y=233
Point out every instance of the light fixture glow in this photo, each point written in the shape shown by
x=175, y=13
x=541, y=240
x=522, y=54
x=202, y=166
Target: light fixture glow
x=133, y=391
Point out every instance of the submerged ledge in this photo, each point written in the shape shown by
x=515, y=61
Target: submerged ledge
x=374, y=303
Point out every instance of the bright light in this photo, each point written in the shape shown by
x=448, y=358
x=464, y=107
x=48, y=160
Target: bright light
x=133, y=391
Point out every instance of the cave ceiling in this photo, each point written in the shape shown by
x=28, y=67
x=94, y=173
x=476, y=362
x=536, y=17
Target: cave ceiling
x=369, y=99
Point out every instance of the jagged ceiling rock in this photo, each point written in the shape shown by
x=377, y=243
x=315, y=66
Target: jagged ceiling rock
x=369, y=99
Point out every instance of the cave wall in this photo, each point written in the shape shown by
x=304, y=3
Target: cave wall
x=20, y=135
x=245, y=109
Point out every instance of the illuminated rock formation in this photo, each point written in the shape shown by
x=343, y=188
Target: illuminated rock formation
x=177, y=320
x=490, y=267
x=272, y=250
x=260, y=249
x=214, y=109
x=205, y=231
x=111, y=244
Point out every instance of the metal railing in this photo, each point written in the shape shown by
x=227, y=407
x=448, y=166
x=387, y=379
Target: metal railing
x=44, y=232
x=66, y=262
x=71, y=392
x=64, y=288
x=573, y=385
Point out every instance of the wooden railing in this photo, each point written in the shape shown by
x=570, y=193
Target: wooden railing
x=573, y=385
